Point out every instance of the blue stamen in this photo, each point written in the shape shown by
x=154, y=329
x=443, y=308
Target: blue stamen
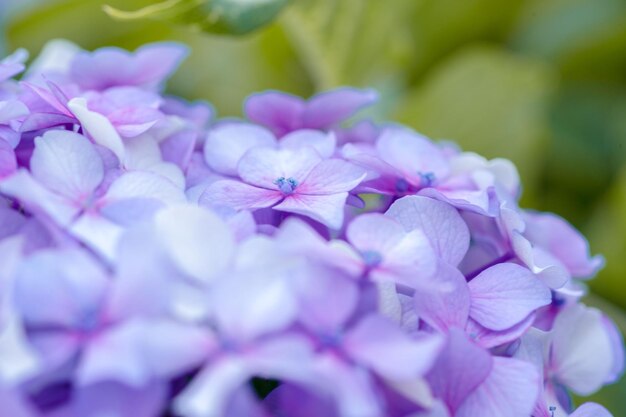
x=330, y=340
x=286, y=185
x=512, y=348
x=88, y=202
x=402, y=185
x=427, y=178
x=228, y=345
x=552, y=410
x=371, y=258
x=90, y=321
x=558, y=300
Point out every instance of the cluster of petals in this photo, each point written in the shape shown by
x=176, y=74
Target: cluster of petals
x=156, y=261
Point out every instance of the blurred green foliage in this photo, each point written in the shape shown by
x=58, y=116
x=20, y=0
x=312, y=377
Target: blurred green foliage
x=542, y=82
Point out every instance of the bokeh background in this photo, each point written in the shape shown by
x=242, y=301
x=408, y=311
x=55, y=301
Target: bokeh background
x=542, y=82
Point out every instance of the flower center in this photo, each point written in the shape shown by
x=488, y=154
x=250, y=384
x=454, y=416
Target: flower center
x=402, y=185
x=90, y=321
x=427, y=178
x=331, y=340
x=371, y=258
x=286, y=185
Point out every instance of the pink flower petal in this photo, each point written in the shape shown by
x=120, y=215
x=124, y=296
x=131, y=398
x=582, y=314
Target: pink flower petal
x=383, y=347
x=324, y=143
x=587, y=364
x=332, y=176
x=411, y=153
x=227, y=143
x=67, y=163
x=505, y=294
x=327, y=109
x=326, y=209
x=280, y=112
x=374, y=232
x=38, y=199
x=460, y=369
x=238, y=195
x=99, y=128
x=446, y=305
x=262, y=166
x=184, y=229
x=511, y=390
x=440, y=222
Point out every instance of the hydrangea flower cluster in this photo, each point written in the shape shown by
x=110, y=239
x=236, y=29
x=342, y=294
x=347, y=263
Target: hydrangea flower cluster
x=158, y=262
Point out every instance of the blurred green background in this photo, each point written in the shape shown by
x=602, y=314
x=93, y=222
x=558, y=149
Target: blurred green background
x=542, y=82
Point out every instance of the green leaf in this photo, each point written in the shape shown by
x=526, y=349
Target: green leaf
x=488, y=100
x=235, y=17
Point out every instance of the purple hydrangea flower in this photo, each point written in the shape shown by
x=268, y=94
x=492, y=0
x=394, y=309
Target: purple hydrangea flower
x=13, y=64
x=291, y=180
x=155, y=262
x=284, y=113
x=105, y=68
x=12, y=111
x=64, y=185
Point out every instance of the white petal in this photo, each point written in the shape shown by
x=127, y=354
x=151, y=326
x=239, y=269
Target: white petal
x=199, y=242
x=67, y=163
x=440, y=222
x=511, y=390
x=582, y=352
x=98, y=127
